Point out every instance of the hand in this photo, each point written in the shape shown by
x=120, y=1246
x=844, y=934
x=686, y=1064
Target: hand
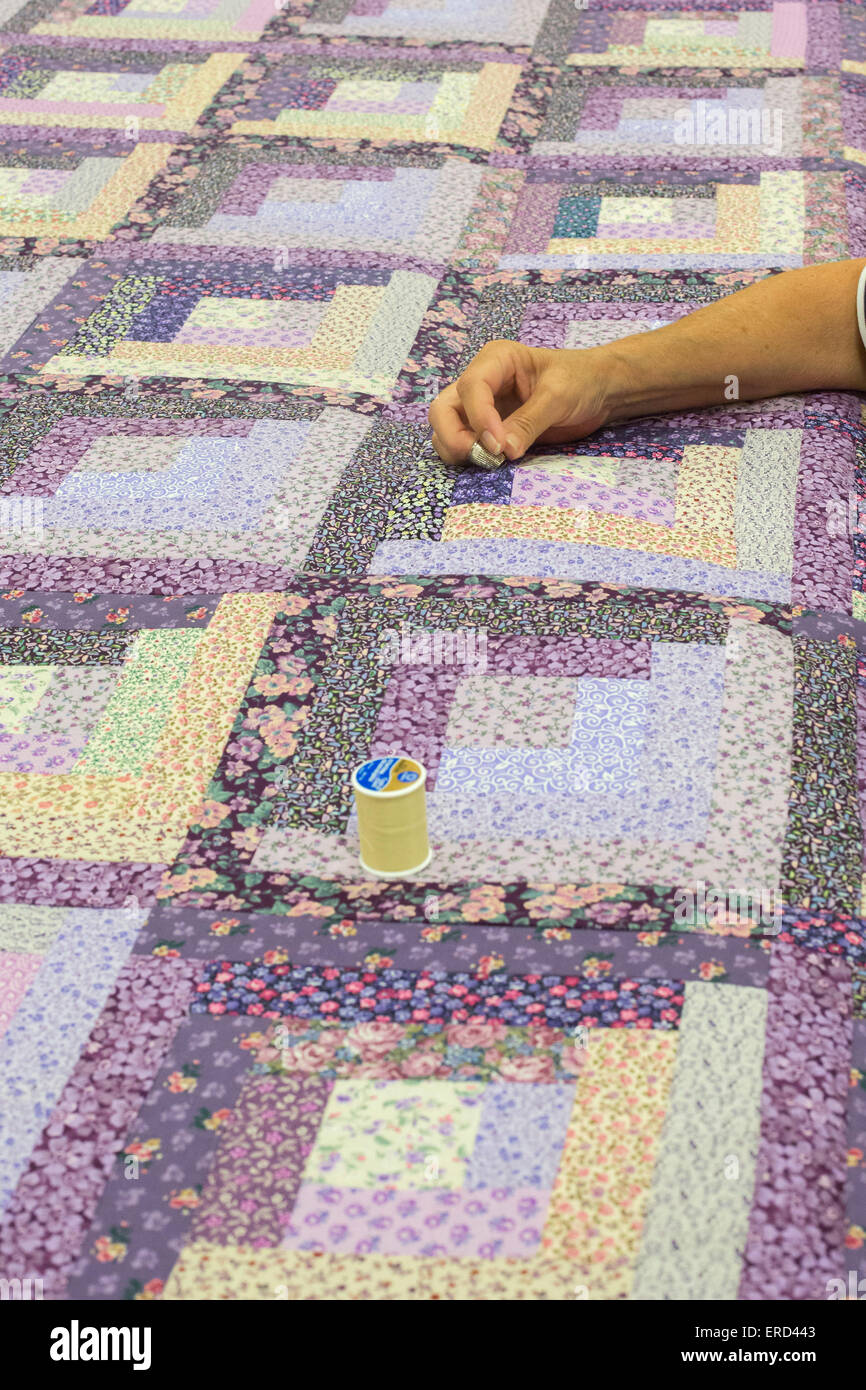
x=511, y=395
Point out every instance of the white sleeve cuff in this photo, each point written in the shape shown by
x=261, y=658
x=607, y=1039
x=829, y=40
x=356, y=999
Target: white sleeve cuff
x=861, y=306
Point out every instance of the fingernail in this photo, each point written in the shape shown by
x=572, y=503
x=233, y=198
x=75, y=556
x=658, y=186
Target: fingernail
x=513, y=444
x=490, y=442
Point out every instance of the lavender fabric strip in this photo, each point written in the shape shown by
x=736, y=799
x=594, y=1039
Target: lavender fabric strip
x=59, y=1190
x=151, y=1207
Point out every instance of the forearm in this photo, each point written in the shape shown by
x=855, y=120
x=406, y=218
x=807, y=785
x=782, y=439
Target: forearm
x=796, y=331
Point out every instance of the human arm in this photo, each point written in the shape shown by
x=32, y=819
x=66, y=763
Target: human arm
x=795, y=331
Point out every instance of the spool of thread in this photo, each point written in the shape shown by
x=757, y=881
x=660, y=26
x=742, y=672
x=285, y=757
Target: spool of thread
x=391, y=801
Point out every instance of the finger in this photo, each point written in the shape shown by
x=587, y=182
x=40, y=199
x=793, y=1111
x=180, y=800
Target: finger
x=477, y=399
x=453, y=437
x=445, y=454
x=541, y=411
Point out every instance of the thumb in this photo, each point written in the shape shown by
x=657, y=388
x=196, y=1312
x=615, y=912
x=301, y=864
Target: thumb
x=538, y=413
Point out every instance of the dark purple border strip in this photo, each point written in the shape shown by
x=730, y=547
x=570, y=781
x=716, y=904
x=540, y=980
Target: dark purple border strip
x=76, y=883
x=856, y=1196
x=797, y=1226
x=589, y=951
x=63, y=611
x=829, y=627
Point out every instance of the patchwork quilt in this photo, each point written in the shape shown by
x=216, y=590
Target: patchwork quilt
x=611, y=1043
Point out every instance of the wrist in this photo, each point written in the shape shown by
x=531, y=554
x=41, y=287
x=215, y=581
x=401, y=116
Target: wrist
x=622, y=378
x=664, y=369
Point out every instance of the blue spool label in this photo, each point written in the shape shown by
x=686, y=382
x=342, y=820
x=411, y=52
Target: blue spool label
x=387, y=774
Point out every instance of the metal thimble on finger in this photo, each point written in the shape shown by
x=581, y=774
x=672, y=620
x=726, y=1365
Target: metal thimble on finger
x=480, y=456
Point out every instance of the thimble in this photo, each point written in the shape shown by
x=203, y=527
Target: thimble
x=479, y=455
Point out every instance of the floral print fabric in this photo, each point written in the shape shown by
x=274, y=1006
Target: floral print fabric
x=609, y=1043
